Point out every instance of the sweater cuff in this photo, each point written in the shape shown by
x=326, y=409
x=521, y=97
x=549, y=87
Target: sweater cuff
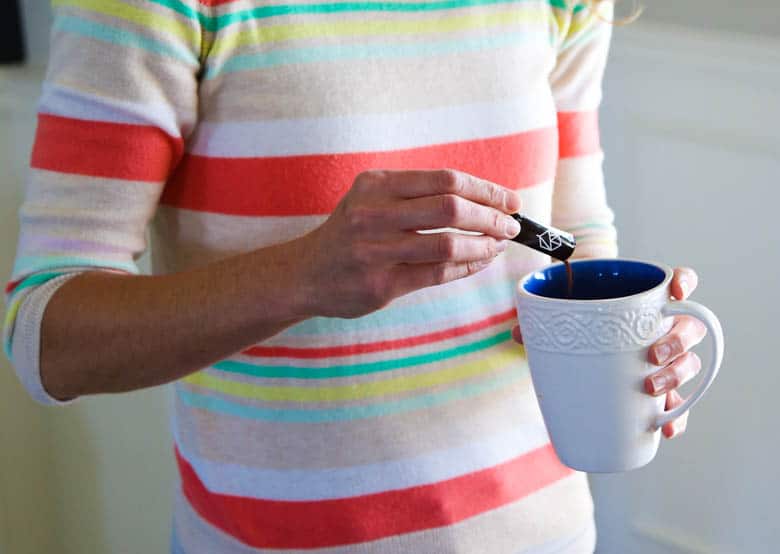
x=26, y=343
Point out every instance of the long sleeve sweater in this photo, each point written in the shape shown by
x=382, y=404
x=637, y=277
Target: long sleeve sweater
x=227, y=125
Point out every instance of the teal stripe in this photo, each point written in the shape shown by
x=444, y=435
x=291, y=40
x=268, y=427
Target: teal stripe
x=388, y=50
x=474, y=303
x=37, y=279
x=347, y=413
x=29, y=264
x=219, y=22
x=293, y=372
x=122, y=37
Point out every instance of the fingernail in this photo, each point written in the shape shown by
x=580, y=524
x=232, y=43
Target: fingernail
x=662, y=352
x=658, y=382
x=511, y=227
x=684, y=287
x=501, y=246
x=511, y=200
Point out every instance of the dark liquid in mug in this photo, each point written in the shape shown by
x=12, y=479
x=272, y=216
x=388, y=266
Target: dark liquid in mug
x=569, y=279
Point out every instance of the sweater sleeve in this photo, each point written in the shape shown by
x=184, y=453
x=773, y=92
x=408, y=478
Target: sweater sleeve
x=119, y=97
x=579, y=198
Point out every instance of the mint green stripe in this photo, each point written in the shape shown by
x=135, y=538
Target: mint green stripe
x=475, y=303
x=122, y=37
x=216, y=23
x=37, y=279
x=387, y=50
x=292, y=372
x=29, y=264
x=584, y=226
x=222, y=406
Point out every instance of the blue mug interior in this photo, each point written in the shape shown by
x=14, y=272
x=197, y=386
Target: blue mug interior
x=596, y=280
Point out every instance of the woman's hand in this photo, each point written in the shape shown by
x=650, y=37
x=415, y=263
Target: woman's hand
x=671, y=352
x=368, y=252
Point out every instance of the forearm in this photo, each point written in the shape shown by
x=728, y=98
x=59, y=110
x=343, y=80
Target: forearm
x=111, y=333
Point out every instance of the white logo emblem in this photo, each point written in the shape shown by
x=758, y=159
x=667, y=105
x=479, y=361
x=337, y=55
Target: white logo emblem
x=549, y=241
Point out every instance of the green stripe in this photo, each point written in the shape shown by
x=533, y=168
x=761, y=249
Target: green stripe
x=218, y=22
x=37, y=279
x=292, y=372
x=366, y=51
x=30, y=264
x=122, y=37
x=220, y=405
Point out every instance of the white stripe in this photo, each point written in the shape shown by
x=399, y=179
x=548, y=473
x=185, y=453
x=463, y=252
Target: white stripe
x=322, y=484
x=373, y=132
x=66, y=102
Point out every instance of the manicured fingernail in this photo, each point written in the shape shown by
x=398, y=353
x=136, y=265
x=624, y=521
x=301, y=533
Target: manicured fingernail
x=684, y=286
x=511, y=227
x=511, y=200
x=662, y=352
x=501, y=246
x=658, y=382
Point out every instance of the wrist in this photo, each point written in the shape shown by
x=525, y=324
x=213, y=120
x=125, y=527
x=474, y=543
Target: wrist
x=288, y=280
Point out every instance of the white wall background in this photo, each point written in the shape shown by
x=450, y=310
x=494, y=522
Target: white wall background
x=691, y=126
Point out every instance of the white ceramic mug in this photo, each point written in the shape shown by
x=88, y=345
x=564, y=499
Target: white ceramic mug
x=588, y=358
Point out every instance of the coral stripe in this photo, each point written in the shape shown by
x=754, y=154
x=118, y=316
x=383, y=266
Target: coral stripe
x=12, y=285
x=318, y=524
x=101, y=149
x=368, y=347
x=578, y=134
x=313, y=184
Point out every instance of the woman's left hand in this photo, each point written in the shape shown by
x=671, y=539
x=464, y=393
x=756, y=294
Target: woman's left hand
x=671, y=353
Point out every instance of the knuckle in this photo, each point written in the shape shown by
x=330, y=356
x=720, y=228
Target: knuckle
x=361, y=218
x=496, y=196
x=369, y=178
x=673, y=379
x=449, y=180
x=695, y=362
x=491, y=249
x=451, y=207
x=497, y=219
x=439, y=273
x=364, y=253
x=676, y=343
x=447, y=246
x=376, y=292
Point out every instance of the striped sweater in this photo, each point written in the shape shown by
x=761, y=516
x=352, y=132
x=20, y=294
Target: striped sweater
x=228, y=125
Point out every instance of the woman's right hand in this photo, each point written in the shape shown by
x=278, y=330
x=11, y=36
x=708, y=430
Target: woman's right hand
x=368, y=251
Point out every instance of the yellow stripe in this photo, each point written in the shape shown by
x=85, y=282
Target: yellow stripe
x=153, y=22
x=12, y=311
x=510, y=354
x=278, y=33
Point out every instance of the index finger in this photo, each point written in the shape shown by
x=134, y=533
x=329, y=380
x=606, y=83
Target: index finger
x=684, y=282
x=414, y=184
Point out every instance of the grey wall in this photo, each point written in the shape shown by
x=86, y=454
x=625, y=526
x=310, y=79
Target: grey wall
x=761, y=17
x=36, y=17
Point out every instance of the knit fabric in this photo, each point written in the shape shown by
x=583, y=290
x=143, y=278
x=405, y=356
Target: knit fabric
x=229, y=125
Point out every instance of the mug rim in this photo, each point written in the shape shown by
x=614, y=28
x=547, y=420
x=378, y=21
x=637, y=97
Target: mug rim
x=668, y=274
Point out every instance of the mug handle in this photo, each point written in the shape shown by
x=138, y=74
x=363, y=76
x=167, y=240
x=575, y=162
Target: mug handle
x=710, y=321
